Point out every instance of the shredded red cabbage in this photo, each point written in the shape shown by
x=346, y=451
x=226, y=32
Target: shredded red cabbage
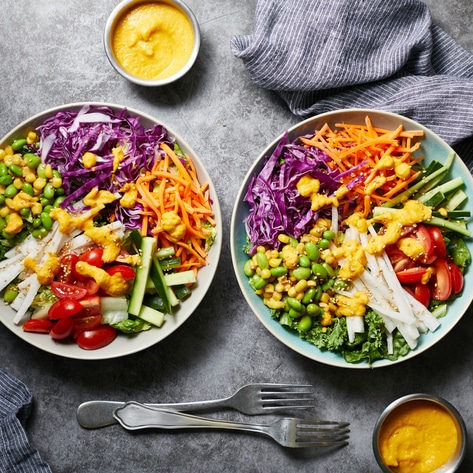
x=275, y=204
x=66, y=136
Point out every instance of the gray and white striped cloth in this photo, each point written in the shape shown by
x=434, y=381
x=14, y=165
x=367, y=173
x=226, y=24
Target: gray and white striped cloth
x=321, y=55
x=16, y=453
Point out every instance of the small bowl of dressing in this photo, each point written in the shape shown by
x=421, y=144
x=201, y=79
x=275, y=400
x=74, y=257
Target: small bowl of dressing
x=419, y=433
x=152, y=43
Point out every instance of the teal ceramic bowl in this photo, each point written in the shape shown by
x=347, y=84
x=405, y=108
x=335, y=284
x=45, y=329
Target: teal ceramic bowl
x=432, y=148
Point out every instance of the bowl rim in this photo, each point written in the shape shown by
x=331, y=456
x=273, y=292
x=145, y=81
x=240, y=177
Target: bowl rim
x=454, y=461
x=305, y=348
x=181, y=315
x=112, y=21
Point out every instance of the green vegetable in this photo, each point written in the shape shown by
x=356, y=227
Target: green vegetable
x=131, y=325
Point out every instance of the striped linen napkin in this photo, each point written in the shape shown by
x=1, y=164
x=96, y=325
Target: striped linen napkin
x=321, y=55
x=16, y=453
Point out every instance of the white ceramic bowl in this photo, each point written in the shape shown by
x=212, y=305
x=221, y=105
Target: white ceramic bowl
x=123, y=344
x=121, y=9
x=433, y=148
x=456, y=459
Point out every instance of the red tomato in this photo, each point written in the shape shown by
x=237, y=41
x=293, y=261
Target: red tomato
x=411, y=275
x=423, y=235
x=127, y=272
x=422, y=294
x=68, y=291
x=88, y=284
x=38, y=325
x=87, y=322
x=67, y=266
x=457, y=278
x=64, y=308
x=439, y=242
x=441, y=282
x=62, y=329
x=90, y=306
x=93, y=257
x=96, y=338
x=399, y=260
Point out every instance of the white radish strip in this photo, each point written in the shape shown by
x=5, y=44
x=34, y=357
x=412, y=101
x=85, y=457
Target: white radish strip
x=389, y=343
x=355, y=324
x=423, y=314
x=410, y=334
x=8, y=274
x=28, y=300
x=393, y=314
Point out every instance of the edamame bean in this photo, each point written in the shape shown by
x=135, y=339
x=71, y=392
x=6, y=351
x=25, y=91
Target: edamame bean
x=10, y=293
x=27, y=188
x=258, y=282
x=278, y=271
x=46, y=220
x=329, y=269
x=10, y=191
x=309, y=295
x=60, y=191
x=32, y=160
x=301, y=273
x=319, y=271
x=3, y=223
x=16, y=170
x=2, y=199
x=312, y=251
x=49, y=191
x=36, y=222
x=6, y=180
x=324, y=243
x=305, y=323
x=25, y=213
x=41, y=171
x=18, y=144
x=328, y=235
x=293, y=303
x=39, y=233
x=58, y=200
x=247, y=269
x=3, y=169
x=293, y=314
x=327, y=285
x=304, y=261
x=313, y=310
x=262, y=260
x=7, y=236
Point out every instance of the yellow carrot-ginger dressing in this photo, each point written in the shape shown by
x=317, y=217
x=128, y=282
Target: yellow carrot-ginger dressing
x=153, y=40
x=418, y=437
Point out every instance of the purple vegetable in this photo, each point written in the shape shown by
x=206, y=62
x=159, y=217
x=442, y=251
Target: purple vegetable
x=275, y=204
x=66, y=136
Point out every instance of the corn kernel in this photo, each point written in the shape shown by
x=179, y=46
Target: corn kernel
x=2, y=154
x=39, y=183
x=301, y=285
x=275, y=262
x=265, y=273
x=325, y=298
x=18, y=183
x=292, y=292
x=8, y=150
x=48, y=171
x=30, y=177
x=277, y=296
x=4, y=211
x=36, y=208
x=283, y=238
x=56, y=182
x=17, y=159
x=31, y=138
x=8, y=159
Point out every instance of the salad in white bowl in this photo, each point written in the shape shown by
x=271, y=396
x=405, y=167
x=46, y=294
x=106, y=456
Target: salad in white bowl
x=108, y=230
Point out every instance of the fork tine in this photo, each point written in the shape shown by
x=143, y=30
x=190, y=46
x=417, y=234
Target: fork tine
x=328, y=443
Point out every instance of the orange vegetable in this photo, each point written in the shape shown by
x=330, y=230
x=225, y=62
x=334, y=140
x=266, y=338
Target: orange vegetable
x=172, y=189
x=384, y=159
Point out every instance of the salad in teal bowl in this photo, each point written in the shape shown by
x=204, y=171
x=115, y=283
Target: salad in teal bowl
x=350, y=238
x=110, y=231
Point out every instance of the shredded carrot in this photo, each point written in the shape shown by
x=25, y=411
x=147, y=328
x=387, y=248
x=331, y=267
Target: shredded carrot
x=172, y=186
x=381, y=161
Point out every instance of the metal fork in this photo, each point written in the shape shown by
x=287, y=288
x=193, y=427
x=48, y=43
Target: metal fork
x=252, y=399
x=288, y=432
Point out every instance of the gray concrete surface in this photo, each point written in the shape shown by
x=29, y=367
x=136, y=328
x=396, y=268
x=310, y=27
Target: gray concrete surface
x=51, y=53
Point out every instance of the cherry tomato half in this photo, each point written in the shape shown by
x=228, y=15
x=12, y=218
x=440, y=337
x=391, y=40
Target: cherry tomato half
x=93, y=257
x=68, y=291
x=441, y=282
x=62, y=329
x=90, y=306
x=423, y=235
x=457, y=278
x=87, y=322
x=422, y=294
x=67, y=266
x=399, y=260
x=97, y=338
x=439, y=242
x=64, y=308
x=38, y=325
x=89, y=284
x=127, y=272
x=411, y=275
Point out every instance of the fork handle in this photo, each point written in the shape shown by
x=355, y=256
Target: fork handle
x=134, y=416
